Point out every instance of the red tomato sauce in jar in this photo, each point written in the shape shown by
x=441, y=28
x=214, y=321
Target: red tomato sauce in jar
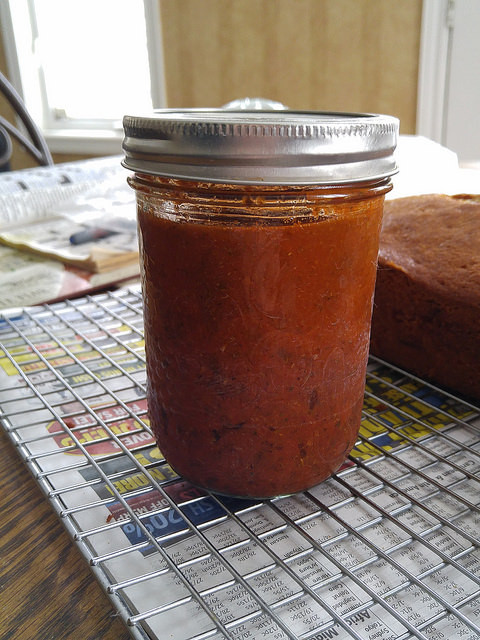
x=257, y=328
x=258, y=234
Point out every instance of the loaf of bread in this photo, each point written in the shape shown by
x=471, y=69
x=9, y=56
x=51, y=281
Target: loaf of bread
x=426, y=316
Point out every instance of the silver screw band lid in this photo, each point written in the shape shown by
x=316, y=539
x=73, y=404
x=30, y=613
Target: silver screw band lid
x=261, y=147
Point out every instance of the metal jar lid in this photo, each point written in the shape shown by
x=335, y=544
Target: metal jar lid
x=261, y=147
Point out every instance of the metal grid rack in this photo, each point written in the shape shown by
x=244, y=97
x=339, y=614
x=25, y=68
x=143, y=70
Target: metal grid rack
x=385, y=549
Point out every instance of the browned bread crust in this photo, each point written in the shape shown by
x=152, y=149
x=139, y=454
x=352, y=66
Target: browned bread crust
x=426, y=315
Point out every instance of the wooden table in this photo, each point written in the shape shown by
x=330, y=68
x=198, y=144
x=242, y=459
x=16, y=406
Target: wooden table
x=47, y=591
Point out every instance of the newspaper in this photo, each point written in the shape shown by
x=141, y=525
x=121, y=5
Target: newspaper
x=380, y=551
x=28, y=194
x=28, y=279
x=92, y=226
x=42, y=209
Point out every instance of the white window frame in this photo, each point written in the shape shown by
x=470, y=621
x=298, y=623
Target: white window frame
x=90, y=137
x=437, y=23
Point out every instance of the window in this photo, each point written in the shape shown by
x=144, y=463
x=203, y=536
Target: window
x=82, y=64
x=449, y=86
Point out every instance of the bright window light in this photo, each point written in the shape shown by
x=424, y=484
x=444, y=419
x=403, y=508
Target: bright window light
x=94, y=57
x=81, y=65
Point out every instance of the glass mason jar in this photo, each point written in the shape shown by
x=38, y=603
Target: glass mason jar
x=258, y=241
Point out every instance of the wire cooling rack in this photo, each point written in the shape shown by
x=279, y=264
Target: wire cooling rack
x=385, y=549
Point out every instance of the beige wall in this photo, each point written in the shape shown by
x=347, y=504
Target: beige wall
x=344, y=55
